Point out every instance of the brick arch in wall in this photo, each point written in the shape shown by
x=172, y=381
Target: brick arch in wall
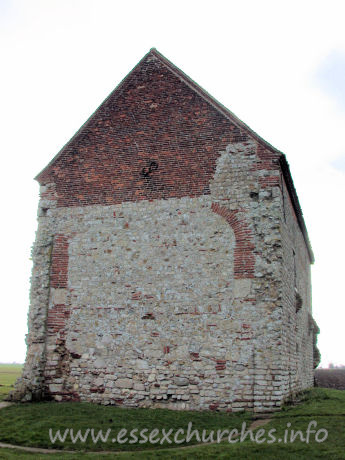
x=244, y=258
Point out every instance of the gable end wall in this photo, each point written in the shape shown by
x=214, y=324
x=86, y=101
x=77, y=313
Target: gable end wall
x=162, y=285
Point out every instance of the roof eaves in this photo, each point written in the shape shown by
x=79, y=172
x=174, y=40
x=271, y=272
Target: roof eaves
x=284, y=165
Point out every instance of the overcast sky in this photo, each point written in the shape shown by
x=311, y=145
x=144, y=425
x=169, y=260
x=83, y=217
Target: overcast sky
x=278, y=65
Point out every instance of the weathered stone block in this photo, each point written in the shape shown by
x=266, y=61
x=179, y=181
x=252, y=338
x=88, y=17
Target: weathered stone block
x=124, y=383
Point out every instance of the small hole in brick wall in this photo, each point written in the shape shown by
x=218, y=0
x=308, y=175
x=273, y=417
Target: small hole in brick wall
x=298, y=301
x=44, y=211
x=254, y=195
x=146, y=172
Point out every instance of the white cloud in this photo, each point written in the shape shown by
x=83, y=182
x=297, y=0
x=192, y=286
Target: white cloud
x=331, y=77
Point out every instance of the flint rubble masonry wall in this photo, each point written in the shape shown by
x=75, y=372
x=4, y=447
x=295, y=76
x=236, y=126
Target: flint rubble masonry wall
x=173, y=303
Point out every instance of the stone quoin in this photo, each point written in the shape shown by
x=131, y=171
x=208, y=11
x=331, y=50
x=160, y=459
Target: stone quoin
x=171, y=266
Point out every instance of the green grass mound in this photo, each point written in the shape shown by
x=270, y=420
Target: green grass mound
x=29, y=425
x=284, y=437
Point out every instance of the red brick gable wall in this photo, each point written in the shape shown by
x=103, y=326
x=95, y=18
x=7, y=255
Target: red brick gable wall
x=153, y=138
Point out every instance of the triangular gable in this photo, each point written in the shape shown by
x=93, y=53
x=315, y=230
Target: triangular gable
x=201, y=124
x=186, y=80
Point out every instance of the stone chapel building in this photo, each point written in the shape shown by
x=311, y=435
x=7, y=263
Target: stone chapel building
x=171, y=261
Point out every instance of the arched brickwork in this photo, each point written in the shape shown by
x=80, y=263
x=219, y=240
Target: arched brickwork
x=244, y=259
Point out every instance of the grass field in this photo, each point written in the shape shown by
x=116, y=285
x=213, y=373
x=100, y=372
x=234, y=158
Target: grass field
x=8, y=375
x=28, y=425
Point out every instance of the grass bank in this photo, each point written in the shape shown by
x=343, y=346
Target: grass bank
x=284, y=437
x=8, y=375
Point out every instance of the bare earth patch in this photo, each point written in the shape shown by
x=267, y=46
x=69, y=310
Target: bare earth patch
x=330, y=378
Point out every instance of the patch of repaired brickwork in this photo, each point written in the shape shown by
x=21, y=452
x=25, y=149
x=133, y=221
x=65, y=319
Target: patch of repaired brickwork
x=59, y=264
x=57, y=318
